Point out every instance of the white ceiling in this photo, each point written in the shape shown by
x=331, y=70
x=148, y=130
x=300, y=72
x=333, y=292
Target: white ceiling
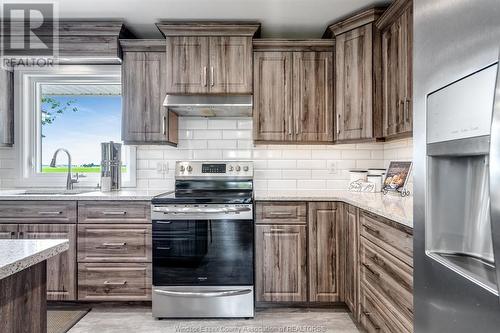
x=279, y=18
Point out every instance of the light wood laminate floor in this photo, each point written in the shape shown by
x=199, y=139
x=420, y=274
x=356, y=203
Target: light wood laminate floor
x=282, y=320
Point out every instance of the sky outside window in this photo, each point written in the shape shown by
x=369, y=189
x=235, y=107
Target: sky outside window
x=79, y=123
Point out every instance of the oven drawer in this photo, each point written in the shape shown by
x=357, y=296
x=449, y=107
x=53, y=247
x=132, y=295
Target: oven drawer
x=38, y=212
x=169, y=228
x=281, y=212
x=114, y=282
x=114, y=243
x=114, y=212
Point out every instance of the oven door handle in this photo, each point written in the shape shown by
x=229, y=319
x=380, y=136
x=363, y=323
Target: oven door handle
x=191, y=294
x=203, y=210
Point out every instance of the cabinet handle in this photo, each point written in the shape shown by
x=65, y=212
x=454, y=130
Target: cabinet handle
x=21, y=234
x=278, y=229
x=164, y=222
x=338, y=123
x=377, y=275
x=369, y=229
x=279, y=214
x=212, y=76
x=114, y=244
x=204, y=76
x=50, y=213
x=164, y=125
x=110, y=283
x=368, y=316
x=163, y=248
x=115, y=213
x=12, y=234
x=407, y=104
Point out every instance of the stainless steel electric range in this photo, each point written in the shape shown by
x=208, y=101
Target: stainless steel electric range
x=203, y=251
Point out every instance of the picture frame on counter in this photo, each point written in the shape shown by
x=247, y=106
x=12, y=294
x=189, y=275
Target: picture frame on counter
x=396, y=178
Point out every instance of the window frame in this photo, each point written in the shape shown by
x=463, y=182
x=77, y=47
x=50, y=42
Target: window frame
x=27, y=90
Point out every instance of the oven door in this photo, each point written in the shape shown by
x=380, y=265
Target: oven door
x=203, y=252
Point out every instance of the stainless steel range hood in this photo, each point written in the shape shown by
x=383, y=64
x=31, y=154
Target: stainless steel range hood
x=209, y=105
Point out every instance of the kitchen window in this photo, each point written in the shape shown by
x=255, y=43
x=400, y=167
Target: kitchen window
x=72, y=107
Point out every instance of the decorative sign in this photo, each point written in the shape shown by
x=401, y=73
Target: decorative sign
x=397, y=177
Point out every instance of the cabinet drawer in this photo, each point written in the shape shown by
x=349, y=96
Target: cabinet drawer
x=374, y=318
x=114, y=282
x=38, y=211
x=281, y=212
x=395, y=239
x=114, y=243
x=390, y=278
x=114, y=212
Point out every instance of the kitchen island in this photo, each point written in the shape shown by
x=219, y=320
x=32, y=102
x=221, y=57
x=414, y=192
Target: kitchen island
x=23, y=280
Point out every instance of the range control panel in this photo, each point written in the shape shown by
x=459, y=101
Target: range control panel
x=206, y=169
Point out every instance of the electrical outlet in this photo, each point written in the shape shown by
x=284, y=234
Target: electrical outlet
x=333, y=168
x=162, y=168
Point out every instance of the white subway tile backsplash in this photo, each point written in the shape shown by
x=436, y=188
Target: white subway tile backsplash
x=267, y=174
x=236, y=134
x=297, y=154
x=245, y=124
x=149, y=154
x=207, y=134
x=222, y=144
x=311, y=164
x=311, y=184
x=296, y=174
x=193, y=123
x=207, y=154
x=281, y=184
x=356, y=154
x=237, y=154
x=222, y=124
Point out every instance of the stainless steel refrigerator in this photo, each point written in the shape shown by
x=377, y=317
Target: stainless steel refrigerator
x=456, y=166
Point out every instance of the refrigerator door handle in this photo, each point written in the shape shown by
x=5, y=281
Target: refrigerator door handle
x=494, y=177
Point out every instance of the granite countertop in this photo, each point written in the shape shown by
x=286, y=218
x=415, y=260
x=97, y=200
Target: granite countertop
x=389, y=206
x=126, y=195
x=19, y=254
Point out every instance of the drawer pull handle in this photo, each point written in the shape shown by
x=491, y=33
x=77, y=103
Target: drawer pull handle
x=114, y=244
x=163, y=248
x=115, y=213
x=371, y=230
x=371, y=270
x=369, y=317
x=278, y=229
x=50, y=213
x=110, y=283
x=164, y=222
x=280, y=214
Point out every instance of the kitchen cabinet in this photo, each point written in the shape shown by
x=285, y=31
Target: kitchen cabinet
x=281, y=212
x=6, y=108
x=114, y=250
x=386, y=275
x=358, y=106
x=324, y=223
x=281, y=263
x=145, y=120
x=38, y=212
x=209, y=57
x=61, y=269
x=396, y=25
x=293, y=91
x=350, y=251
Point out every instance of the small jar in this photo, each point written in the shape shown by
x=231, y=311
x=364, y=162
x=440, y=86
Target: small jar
x=358, y=175
x=377, y=180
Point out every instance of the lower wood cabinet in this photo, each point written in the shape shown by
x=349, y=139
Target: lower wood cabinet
x=114, y=281
x=323, y=251
x=61, y=269
x=281, y=264
x=350, y=262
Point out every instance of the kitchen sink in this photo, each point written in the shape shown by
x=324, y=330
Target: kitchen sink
x=55, y=192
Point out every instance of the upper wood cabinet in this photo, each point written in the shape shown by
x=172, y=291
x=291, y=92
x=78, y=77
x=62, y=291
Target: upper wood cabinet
x=209, y=58
x=358, y=106
x=6, y=108
x=396, y=25
x=293, y=91
x=144, y=118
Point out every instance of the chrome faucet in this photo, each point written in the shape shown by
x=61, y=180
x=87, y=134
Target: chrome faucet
x=69, y=180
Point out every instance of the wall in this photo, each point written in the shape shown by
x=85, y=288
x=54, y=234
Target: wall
x=276, y=166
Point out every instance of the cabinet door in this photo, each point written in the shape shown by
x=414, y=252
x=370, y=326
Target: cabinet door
x=313, y=96
x=230, y=65
x=61, y=269
x=354, y=86
x=350, y=256
x=407, y=25
x=145, y=119
x=6, y=107
x=187, y=65
x=8, y=231
x=281, y=272
x=272, y=110
x=324, y=231
x=391, y=76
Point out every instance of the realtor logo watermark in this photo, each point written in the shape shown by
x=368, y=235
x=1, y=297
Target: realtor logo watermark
x=29, y=34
